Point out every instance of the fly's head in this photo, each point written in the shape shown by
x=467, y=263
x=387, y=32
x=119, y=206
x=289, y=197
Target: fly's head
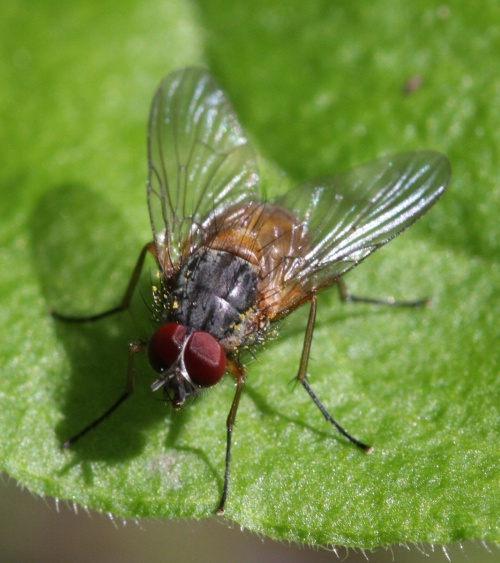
x=187, y=361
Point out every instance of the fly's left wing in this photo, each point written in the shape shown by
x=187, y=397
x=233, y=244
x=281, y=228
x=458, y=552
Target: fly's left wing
x=200, y=161
x=350, y=215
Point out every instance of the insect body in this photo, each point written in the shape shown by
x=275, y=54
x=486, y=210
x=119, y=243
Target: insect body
x=233, y=285
x=231, y=264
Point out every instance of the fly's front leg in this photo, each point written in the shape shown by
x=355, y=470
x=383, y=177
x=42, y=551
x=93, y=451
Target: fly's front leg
x=129, y=389
x=239, y=373
x=302, y=377
x=127, y=297
x=348, y=297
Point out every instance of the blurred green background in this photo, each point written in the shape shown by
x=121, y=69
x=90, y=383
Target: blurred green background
x=319, y=87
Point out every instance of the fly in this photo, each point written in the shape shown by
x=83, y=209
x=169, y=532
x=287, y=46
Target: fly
x=232, y=264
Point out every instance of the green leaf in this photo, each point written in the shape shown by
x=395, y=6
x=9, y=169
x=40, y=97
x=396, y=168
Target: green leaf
x=319, y=87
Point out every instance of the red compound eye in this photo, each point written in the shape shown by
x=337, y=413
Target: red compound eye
x=165, y=345
x=205, y=359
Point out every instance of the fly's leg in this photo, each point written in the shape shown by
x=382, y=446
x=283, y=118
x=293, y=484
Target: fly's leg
x=347, y=297
x=302, y=377
x=239, y=372
x=125, y=302
x=134, y=348
x=129, y=389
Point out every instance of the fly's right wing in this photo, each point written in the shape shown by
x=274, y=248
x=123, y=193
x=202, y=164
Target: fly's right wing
x=350, y=215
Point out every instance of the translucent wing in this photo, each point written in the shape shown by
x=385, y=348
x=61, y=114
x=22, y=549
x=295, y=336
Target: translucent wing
x=350, y=215
x=199, y=160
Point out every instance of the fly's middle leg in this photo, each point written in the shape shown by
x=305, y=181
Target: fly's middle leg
x=302, y=377
x=127, y=296
x=347, y=297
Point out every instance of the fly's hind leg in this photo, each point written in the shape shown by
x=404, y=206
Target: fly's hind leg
x=302, y=377
x=347, y=297
x=127, y=296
